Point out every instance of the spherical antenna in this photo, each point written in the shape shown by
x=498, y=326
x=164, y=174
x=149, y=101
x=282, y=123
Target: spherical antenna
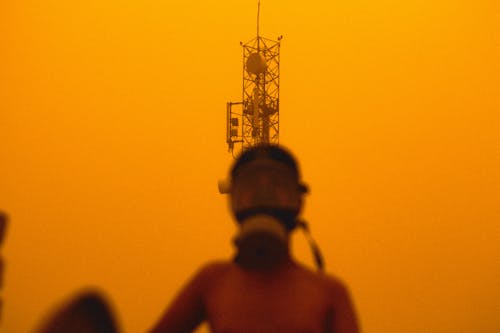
x=256, y=63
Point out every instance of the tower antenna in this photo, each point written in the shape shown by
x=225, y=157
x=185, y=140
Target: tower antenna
x=257, y=120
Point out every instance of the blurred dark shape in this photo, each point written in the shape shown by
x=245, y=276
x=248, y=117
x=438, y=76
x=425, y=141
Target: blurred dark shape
x=88, y=312
x=3, y=226
x=3, y=229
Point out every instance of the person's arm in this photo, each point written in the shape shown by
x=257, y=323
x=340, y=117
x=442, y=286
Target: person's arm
x=187, y=310
x=344, y=315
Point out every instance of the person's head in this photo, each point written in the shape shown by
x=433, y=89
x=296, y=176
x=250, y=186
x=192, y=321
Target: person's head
x=266, y=179
x=266, y=194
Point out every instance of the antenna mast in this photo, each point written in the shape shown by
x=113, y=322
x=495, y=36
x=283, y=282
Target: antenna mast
x=258, y=120
x=258, y=15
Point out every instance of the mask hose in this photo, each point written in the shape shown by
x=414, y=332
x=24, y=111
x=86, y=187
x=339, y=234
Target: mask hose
x=318, y=257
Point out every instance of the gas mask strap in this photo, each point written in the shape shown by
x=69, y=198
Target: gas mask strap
x=318, y=257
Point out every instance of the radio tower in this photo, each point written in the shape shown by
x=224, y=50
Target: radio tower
x=257, y=118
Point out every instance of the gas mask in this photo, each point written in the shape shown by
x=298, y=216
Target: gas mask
x=266, y=198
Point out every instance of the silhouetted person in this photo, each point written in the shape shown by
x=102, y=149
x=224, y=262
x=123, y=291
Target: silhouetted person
x=263, y=289
x=88, y=312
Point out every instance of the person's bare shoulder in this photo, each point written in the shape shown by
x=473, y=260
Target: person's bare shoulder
x=337, y=288
x=187, y=310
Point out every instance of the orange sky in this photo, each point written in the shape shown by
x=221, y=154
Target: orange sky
x=112, y=139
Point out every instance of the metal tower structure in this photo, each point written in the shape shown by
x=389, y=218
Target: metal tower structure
x=256, y=119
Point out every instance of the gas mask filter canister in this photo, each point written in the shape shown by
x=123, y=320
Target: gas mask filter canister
x=262, y=242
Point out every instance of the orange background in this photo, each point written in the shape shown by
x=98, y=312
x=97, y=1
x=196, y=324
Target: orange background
x=112, y=139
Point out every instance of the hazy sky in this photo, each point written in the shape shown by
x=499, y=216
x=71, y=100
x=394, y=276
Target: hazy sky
x=112, y=140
